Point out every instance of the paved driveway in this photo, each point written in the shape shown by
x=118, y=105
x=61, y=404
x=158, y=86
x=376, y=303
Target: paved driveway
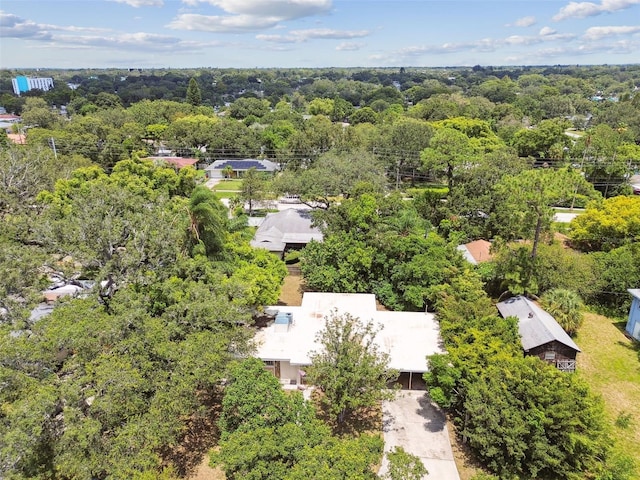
x=414, y=423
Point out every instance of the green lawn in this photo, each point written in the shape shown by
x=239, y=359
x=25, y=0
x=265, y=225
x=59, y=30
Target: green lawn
x=610, y=363
x=234, y=185
x=225, y=194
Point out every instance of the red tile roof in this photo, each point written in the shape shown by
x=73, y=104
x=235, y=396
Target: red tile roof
x=178, y=162
x=479, y=250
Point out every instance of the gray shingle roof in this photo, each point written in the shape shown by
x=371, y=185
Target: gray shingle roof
x=535, y=325
x=288, y=226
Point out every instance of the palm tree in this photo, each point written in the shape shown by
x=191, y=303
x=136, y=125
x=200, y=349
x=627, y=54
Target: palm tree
x=208, y=220
x=566, y=307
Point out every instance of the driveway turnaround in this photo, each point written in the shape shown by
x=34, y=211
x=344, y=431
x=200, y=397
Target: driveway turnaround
x=413, y=422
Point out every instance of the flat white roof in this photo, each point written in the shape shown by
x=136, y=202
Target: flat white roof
x=408, y=337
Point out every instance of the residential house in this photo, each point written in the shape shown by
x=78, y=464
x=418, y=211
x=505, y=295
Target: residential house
x=239, y=167
x=286, y=344
x=177, y=162
x=476, y=252
x=633, y=324
x=540, y=334
x=290, y=229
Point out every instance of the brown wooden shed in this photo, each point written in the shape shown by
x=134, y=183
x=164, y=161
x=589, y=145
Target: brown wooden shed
x=540, y=334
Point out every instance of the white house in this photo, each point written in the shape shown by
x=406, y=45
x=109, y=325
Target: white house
x=408, y=337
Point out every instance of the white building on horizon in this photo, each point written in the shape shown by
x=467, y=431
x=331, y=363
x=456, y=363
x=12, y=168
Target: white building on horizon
x=23, y=84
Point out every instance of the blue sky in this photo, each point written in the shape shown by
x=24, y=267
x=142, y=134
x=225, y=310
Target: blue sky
x=316, y=33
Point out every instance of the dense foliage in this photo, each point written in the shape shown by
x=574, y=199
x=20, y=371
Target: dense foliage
x=107, y=384
x=379, y=244
x=268, y=433
x=522, y=417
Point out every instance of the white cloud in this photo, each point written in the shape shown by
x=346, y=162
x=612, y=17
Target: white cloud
x=74, y=37
x=329, y=33
x=277, y=38
x=299, y=36
x=142, y=3
x=283, y=9
x=484, y=45
x=349, y=46
x=248, y=15
x=596, y=33
x=16, y=27
x=222, y=24
x=138, y=41
x=524, y=22
x=590, y=9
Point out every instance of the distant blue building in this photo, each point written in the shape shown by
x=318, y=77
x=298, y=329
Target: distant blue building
x=633, y=325
x=23, y=84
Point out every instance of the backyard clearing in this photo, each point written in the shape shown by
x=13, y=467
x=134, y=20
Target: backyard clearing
x=609, y=362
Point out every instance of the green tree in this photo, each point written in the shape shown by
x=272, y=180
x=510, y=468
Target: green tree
x=339, y=458
x=245, y=106
x=350, y=369
x=363, y=115
x=321, y=106
x=193, y=131
x=253, y=398
x=546, y=140
x=449, y=152
x=604, y=158
x=608, y=224
x=554, y=266
x=527, y=420
x=333, y=176
x=194, y=97
x=616, y=271
x=404, y=465
x=208, y=218
x=36, y=113
x=566, y=307
x=253, y=189
x=527, y=200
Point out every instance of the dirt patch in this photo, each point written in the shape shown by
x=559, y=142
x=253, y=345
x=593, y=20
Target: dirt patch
x=292, y=288
x=190, y=457
x=467, y=466
x=204, y=472
x=362, y=420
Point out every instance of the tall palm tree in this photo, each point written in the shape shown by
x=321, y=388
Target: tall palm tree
x=208, y=220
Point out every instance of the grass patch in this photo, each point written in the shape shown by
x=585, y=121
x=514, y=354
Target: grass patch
x=234, y=185
x=610, y=363
x=221, y=195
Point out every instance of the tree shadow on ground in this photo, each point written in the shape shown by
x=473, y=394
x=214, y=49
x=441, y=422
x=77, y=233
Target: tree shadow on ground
x=362, y=420
x=631, y=344
x=435, y=418
x=201, y=434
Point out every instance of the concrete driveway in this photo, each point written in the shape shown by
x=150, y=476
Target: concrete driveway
x=413, y=422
